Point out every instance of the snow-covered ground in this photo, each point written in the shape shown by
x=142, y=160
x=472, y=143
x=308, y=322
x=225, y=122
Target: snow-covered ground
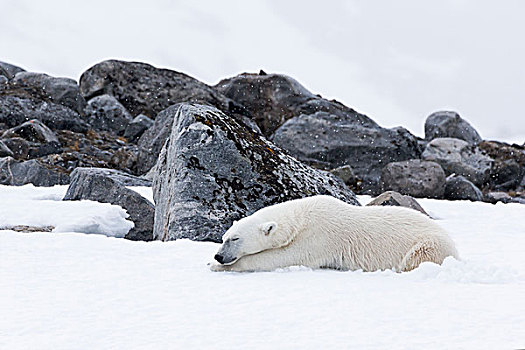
x=76, y=291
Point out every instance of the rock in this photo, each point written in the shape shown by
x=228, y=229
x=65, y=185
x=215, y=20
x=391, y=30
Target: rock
x=106, y=113
x=62, y=91
x=329, y=141
x=497, y=196
x=144, y=89
x=17, y=173
x=9, y=70
x=509, y=164
x=450, y=124
x=125, y=158
x=3, y=82
x=34, y=131
x=136, y=127
x=459, y=188
x=346, y=174
x=459, y=157
x=415, y=178
x=19, y=147
x=109, y=186
x=5, y=151
x=213, y=170
x=397, y=199
x=272, y=99
x=15, y=111
x=42, y=141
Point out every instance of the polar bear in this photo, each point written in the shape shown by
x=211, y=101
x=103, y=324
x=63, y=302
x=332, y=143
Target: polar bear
x=324, y=232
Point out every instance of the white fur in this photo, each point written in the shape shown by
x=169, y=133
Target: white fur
x=324, y=232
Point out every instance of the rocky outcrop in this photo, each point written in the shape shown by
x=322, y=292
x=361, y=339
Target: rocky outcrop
x=18, y=173
x=106, y=113
x=15, y=111
x=272, y=99
x=144, y=89
x=109, y=186
x=62, y=91
x=393, y=198
x=213, y=170
x=459, y=188
x=415, y=178
x=459, y=157
x=329, y=141
x=450, y=124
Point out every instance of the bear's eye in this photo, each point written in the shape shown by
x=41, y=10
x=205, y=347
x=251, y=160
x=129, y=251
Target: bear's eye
x=234, y=239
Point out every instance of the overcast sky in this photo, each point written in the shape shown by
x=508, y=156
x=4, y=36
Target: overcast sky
x=396, y=61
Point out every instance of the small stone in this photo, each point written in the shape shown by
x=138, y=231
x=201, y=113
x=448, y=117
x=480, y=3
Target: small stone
x=5, y=151
x=136, y=128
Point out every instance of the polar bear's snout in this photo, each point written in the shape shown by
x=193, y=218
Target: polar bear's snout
x=225, y=255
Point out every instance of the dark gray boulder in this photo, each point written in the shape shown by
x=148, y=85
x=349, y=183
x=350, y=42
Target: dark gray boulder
x=4, y=150
x=392, y=198
x=459, y=157
x=136, y=127
x=17, y=173
x=450, y=124
x=459, y=188
x=3, y=82
x=9, y=70
x=213, y=170
x=62, y=91
x=144, y=89
x=415, y=178
x=272, y=99
x=109, y=186
x=107, y=113
x=329, y=141
x=15, y=110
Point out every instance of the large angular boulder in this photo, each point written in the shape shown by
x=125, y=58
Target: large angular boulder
x=459, y=157
x=415, y=178
x=272, y=99
x=109, y=186
x=8, y=70
x=450, y=124
x=18, y=173
x=15, y=110
x=144, y=89
x=213, y=170
x=459, y=188
x=62, y=91
x=329, y=141
x=106, y=113
x=396, y=199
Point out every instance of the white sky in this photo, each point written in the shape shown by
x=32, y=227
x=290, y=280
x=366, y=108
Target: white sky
x=394, y=61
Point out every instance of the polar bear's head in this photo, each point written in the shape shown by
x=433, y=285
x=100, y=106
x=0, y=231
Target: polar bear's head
x=248, y=236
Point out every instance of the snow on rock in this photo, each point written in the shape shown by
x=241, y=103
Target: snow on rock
x=43, y=206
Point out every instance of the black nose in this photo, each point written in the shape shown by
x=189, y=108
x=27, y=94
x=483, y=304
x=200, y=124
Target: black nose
x=219, y=258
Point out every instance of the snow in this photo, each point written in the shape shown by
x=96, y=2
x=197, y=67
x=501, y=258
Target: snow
x=43, y=206
x=75, y=291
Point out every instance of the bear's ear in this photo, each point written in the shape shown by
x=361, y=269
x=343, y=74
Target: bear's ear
x=268, y=227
